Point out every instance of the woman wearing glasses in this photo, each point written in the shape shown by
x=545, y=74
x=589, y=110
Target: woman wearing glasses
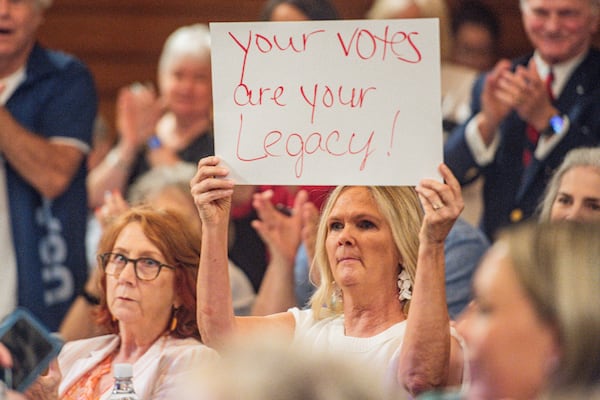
x=149, y=262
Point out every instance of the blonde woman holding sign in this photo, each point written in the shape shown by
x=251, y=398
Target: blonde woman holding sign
x=373, y=243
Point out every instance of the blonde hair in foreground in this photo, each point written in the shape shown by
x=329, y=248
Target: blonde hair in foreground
x=558, y=265
x=267, y=367
x=401, y=208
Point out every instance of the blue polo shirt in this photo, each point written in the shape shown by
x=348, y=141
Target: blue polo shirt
x=57, y=99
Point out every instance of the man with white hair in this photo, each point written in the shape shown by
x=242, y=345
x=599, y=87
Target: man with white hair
x=529, y=112
x=47, y=108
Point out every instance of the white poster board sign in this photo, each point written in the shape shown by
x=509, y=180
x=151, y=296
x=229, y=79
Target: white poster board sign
x=328, y=102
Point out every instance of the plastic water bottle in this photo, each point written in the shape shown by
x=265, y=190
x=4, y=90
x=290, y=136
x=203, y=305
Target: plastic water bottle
x=123, y=389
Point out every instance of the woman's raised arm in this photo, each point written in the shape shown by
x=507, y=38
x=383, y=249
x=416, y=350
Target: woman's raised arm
x=429, y=357
x=212, y=193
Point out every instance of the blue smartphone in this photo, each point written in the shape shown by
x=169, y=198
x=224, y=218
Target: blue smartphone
x=31, y=346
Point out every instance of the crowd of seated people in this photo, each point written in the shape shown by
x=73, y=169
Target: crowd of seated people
x=527, y=113
x=211, y=289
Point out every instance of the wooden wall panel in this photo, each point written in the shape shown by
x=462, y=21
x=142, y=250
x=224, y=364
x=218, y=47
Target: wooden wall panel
x=121, y=40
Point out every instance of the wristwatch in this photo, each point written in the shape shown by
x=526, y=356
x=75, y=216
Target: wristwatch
x=556, y=125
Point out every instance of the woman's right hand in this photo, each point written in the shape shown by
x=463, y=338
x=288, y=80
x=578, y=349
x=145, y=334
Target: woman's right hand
x=212, y=192
x=138, y=112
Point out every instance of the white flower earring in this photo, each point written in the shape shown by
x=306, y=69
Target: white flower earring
x=404, y=285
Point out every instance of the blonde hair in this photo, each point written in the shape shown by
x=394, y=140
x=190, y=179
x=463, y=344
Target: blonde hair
x=267, y=367
x=558, y=265
x=401, y=208
x=387, y=9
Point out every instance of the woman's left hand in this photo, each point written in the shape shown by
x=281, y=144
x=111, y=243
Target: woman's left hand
x=442, y=203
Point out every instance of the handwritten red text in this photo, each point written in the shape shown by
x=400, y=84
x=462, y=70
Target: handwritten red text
x=329, y=97
x=264, y=44
x=367, y=45
x=296, y=145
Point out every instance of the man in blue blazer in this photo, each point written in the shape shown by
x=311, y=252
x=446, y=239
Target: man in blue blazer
x=528, y=113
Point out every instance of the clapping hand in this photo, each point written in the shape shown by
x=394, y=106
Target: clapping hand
x=280, y=228
x=138, y=110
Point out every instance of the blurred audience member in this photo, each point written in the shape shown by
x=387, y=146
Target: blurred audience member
x=298, y=10
x=535, y=320
x=528, y=113
x=267, y=368
x=476, y=31
x=573, y=192
x=389, y=9
x=47, y=109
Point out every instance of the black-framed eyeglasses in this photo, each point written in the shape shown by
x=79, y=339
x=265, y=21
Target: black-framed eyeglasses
x=145, y=268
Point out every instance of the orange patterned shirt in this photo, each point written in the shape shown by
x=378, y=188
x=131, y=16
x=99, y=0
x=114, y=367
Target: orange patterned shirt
x=86, y=387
